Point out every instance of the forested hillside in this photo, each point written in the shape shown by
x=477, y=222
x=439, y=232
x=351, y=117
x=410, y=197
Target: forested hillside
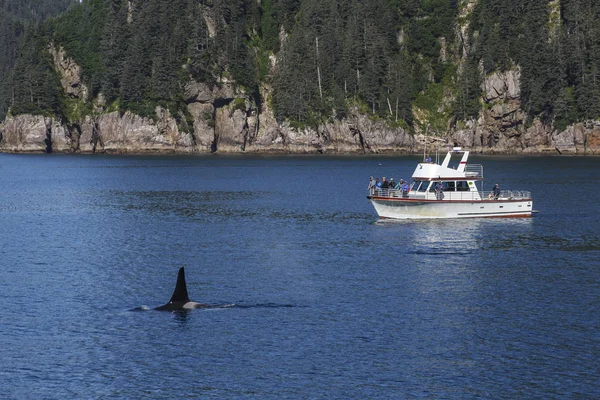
x=15, y=16
x=411, y=63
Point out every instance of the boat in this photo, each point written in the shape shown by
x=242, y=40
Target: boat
x=441, y=191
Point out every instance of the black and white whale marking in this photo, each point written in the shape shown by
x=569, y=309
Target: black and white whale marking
x=180, y=299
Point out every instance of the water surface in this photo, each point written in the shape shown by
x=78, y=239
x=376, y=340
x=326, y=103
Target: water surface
x=317, y=299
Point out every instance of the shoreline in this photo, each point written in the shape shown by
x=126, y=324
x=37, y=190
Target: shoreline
x=271, y=153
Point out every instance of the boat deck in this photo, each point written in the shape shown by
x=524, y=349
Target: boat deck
x=505, y=195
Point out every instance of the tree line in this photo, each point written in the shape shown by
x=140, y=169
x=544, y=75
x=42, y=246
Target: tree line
x=18, y=18
x=386, y=57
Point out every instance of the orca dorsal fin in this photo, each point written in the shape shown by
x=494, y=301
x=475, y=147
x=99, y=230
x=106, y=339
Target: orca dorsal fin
x=180, y=294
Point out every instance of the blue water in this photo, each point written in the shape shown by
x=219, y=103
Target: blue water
x=314, y=298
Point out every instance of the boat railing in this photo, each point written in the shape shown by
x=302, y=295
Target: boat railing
x=474, y=170
x=468, y=196
x=380, y=192
x=507, y=195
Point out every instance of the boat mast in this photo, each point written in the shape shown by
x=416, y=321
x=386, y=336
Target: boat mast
x=425, y=141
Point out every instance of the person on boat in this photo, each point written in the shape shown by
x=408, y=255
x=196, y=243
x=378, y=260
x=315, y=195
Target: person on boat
x=385, y=184
x=428, y=160
x=392, y=184
x=399, y=185
x=371, y=184
x=495, y=192
x=377, y=187
x=439, y=191
x=405, y=189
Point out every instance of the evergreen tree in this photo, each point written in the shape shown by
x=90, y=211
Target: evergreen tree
x=35, y=85
x=113, y=47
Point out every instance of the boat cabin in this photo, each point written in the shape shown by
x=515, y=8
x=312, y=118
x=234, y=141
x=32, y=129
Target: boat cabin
x=455, y=180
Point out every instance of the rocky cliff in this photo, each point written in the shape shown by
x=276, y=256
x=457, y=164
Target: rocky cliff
x=502, y=126
x=225, y=120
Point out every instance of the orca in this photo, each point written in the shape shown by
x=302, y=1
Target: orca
x=180, y=299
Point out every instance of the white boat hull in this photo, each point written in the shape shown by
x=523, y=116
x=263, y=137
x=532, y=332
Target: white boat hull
x=403, y=208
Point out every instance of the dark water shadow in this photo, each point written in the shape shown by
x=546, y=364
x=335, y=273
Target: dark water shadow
x=441, y=252
x=220, y=306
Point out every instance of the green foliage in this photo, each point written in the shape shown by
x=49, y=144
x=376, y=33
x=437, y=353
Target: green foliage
x=558, y=53
x=79, y=31
x=468, y=92
x=565, y=109
x=269, y=27
x=428, y=22
x=239, y=104
x=15, y=16
x=385, y=56
x=35, y=84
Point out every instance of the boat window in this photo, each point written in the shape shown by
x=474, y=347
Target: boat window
x=462, y=186
x=449, y=186
x=423, y=186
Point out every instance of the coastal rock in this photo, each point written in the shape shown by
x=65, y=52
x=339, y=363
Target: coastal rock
x=268, y=134
x=231, y=129
x=33, y=134
x=222, y=118
x=129, y=133
x=70, y=73
x=204, y=125
x=202, y=93
x=357, y=134
x=538, y=138
x=502, y=85
x=198, y=92
x=580, y=138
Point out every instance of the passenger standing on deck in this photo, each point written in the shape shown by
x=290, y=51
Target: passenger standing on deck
x=405, y=189
x=399, y=184
x=496, y=191
x=392, y=184
x=439, y=191
x=371, y=184
x=384, y=186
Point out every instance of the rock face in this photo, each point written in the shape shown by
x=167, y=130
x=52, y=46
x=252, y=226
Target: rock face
x=129, y=133
x=501, y=128
x=226, y=120
x=33, y=134
x=70, y=73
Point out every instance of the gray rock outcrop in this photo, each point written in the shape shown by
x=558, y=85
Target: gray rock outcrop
x=501, y=127
x=223, y=119
x=33, y=134
x=70, y=73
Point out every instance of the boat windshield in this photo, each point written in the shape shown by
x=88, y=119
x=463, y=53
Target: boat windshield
x=420, y=186
x=459, y=186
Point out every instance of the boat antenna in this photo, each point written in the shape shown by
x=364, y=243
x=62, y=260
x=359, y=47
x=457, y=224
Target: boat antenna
x=425, y=146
